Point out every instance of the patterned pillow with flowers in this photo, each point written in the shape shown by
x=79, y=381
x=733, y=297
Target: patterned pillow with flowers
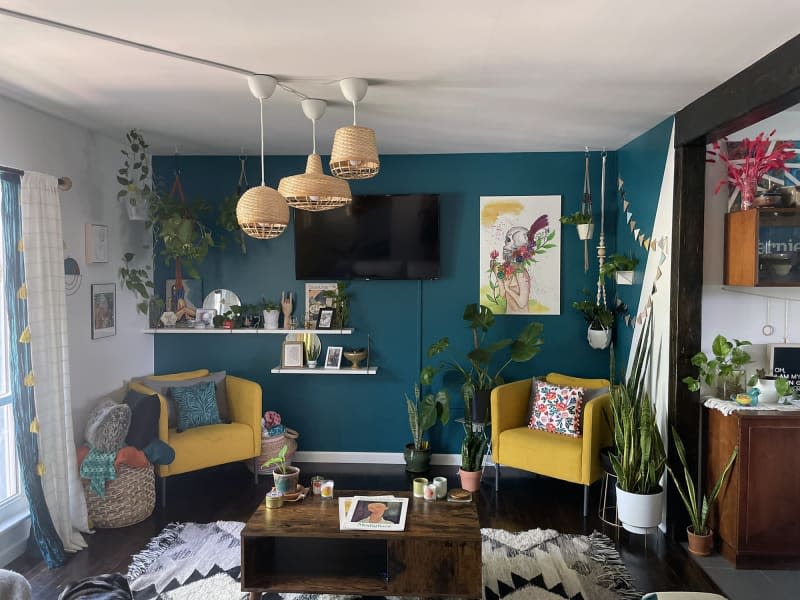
x=557, y=409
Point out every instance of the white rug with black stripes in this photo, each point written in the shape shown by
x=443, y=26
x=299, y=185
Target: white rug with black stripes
x=191, y=560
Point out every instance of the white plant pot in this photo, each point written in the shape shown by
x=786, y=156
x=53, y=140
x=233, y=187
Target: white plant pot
x=271, y=319
x=624, y=277
x=639, y=513
x=585, y=231
x=138, y=211
x=599, y=339
x=312, y=364
x=767, y=392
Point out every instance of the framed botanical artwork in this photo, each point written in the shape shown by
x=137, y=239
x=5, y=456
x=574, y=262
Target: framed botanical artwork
x=315, y=298
x=292, y=354
x=96, y=243
x=104, y=306
x=325, y=317
x=520, y=254
x=333, y=357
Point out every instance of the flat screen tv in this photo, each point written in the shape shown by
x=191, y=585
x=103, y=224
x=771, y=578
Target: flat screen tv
x=375, y=237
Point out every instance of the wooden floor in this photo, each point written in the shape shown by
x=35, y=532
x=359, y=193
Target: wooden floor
x=228, y=493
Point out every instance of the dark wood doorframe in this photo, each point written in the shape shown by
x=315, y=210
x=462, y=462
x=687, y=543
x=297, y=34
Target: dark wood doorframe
x=768, y=86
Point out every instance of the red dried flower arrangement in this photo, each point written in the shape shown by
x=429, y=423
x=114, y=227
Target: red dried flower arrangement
x=745, y=172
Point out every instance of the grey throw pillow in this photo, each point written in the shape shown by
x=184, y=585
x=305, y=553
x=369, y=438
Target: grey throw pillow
x=163, y=388
x=108, y=425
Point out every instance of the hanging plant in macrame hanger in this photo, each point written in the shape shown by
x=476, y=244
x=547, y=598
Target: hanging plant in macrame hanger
x=227, y=210
x=582, y=219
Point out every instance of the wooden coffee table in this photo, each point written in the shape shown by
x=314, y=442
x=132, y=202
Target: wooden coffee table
x=299, y=548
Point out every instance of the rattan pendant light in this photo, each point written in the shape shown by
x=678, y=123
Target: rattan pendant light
x=262, y=212
x=355, y=153
x=313, y=190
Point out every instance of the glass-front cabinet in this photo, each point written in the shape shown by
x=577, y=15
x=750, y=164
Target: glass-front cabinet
x=762, y=247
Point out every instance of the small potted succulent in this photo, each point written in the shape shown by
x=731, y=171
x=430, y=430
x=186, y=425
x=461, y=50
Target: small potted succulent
x=583, y=223
x=271, y=314
x=286, y=476
x=312, y=354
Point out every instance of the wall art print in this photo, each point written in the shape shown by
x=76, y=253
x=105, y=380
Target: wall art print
x=520, y=250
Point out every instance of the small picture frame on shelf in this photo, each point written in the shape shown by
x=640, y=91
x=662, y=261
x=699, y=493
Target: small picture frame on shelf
x=333, y=357
x=325, y=318
x=292, y=354
x=204, y=317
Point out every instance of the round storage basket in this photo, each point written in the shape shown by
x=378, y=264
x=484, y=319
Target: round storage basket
x=271, y=446
x=130, y=498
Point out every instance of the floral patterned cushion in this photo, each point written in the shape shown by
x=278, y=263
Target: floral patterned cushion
x=557, y=409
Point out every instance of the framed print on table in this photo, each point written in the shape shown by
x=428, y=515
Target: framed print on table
x=325, y=318
x=333, y=357
x=316, y=299
x=292, y=354
x=104, y=306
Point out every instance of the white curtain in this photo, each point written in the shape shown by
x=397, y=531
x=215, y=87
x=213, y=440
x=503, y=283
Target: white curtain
x=47, y=320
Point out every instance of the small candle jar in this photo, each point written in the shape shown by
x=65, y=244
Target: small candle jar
x=316, y=484
x=441, y=486
x=274, y=499
x=418, y=486
x=326, y=489
x=429, y=491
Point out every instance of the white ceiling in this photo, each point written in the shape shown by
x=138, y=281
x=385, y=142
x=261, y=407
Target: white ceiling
x=449, y=75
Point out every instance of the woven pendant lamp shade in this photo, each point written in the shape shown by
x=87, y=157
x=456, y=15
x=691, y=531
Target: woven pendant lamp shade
x=262, y=213
x=313, y=190
x=355, y=153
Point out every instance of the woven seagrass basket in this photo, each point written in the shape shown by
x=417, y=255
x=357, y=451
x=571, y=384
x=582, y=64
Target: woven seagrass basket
x=130, y=498
x=271, y=446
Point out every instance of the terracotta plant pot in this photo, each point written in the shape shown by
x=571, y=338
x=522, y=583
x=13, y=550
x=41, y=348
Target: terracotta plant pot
x=470, y=480
x=417, y=461
x=700, y=544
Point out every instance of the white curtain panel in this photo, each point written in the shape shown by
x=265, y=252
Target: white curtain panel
x=47, y=319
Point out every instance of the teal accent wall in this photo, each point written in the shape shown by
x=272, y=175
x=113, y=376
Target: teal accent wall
x=367, y=413
x=640, y=164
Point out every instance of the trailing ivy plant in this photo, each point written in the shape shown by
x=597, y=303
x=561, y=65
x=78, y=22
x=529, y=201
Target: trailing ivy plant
x=137, y=280
x=577, y=218
x=134, y=176
x=228, y=221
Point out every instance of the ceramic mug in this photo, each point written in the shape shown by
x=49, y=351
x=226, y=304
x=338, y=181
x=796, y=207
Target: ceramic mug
x=419, y=486
x=441, y=486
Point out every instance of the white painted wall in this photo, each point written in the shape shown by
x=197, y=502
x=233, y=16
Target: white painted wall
x=32, y=140
x=735, y=314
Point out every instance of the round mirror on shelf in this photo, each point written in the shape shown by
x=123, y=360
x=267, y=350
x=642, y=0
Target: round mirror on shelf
x=221, y=300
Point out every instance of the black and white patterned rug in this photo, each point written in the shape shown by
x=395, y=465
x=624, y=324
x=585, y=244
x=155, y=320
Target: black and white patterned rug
x=187, y=561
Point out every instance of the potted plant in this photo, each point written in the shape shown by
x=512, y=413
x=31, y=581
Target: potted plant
x=423, y=413
x=480, y=373
x=620, y=267
x=473, y=446
x=724, y=370
x=271, y=314
x=600, y=319
x=341, y=304
x=639, y=458
x=312, y=354
x=138, y=281
x=701, y=538
x=286, y=476
x=135, y=177
x=583, y=223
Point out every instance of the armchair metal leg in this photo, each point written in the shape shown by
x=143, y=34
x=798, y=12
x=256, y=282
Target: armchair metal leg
x=496, y=477
x=163, y=492
x=585, y=501
x=255, y=470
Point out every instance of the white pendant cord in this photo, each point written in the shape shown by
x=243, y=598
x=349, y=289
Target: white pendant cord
x=261, y=114
x=603, y=196
x=314, y=136
x=355, y=123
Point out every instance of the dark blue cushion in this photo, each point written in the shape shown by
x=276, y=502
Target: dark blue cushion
x=197, y=405
x=145, y=410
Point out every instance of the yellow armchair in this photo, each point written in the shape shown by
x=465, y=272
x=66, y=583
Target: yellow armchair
x=567, y=458
x=211, y=445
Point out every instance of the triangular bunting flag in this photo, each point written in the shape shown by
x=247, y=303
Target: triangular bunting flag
x=647, y=244
x=649, y=303
x=662, y=258
x=625, y=205
x=628, y=217
x=654, y=290
x=627, y=319
x=635, y=233
x=620, y=183
x=632, y=224
x=658, y=273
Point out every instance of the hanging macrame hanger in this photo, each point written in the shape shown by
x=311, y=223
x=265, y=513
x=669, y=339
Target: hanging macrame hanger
x=601, y=246
x=177, y=187
x=242, y=185
x=586, y=208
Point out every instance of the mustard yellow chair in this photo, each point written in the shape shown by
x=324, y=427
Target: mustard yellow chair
x=550, y=454
x=211, y=445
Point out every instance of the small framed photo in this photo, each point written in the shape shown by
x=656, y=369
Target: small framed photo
x=204, y=317
x=96, y=243
x=325, y=318
x=292, y=354
x=104, y=306
x=333, y=357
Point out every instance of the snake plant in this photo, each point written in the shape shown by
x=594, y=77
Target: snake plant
x=423, y=412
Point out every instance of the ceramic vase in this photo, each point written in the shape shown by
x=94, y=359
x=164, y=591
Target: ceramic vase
x=767, y=392
x=271, y=319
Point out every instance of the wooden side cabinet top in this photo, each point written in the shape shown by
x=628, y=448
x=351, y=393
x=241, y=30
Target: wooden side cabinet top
x=762, y=247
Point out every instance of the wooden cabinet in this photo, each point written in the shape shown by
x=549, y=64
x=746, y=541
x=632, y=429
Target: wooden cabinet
x=758, y=511
x=762, y=247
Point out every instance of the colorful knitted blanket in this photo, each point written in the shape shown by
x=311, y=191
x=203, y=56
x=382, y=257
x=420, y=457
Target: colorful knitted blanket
x=98, y=467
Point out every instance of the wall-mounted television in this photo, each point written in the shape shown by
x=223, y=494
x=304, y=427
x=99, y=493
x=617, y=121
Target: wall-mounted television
x=375, y=237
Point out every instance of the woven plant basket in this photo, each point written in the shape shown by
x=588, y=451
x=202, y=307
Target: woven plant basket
x=271, y=446
x=354, y=154
x=313, y=190
x=130, y=498
x=262, y=213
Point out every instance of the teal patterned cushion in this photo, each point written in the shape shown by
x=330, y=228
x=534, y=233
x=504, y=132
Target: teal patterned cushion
x=197, y=405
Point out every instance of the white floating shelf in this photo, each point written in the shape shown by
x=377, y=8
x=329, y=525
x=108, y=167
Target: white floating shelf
x=324, y=371
x=166, y=330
